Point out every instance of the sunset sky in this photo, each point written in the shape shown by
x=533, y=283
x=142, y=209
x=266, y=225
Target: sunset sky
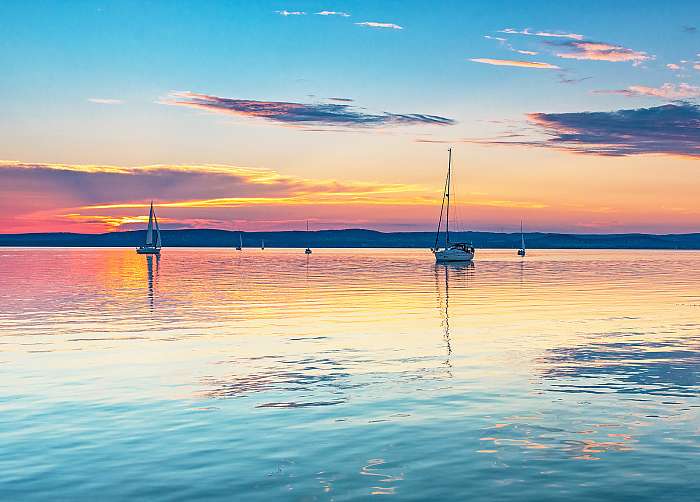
x=257, y=115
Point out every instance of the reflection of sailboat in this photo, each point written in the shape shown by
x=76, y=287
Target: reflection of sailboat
x=240, y=240
x=450, y=268
x=521, y=251
x=153, y=244
x=453, y=251
x=151, y=280
x=308, y=249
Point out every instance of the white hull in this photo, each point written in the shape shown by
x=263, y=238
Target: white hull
x=445, y=255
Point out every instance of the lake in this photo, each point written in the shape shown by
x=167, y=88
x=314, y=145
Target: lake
x=348, y=374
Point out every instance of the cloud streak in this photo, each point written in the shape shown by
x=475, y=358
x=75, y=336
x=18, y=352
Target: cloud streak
x=332, y=13
x=600, y=51
x=665, y=91
x=672, y=129
x=547, y=34
x=301, y=114
x=374, y=24
x=286, y=13
x=520, y=64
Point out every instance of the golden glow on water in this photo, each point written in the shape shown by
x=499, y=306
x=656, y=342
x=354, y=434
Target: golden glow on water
x=356, y=372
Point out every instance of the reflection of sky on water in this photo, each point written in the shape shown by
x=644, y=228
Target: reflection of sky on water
x=349, y=373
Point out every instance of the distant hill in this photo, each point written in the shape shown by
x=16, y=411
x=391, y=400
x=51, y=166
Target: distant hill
x=356, y=238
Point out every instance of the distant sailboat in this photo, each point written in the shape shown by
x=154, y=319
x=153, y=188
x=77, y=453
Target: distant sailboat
x=262, y=244
x=453, y=251
x=153, y=243
x=521, y=251
x=308, y=249
x=240, y=239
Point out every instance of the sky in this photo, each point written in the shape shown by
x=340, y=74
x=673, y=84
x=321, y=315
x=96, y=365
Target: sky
x=572, y=116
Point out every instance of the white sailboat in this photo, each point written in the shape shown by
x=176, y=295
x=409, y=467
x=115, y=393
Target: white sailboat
x=308, y=249
x=240, y=240
x=452, y=251
x=521, y=251
x=153, y=243
x=262, y=244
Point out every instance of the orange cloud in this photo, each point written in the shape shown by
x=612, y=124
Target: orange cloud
x=521, y=64
x=600, y=51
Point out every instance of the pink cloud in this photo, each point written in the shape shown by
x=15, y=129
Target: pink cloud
x=600, y=51
x=510, y=62
x=665, y=91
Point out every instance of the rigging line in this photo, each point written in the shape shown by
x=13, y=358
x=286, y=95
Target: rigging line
x=442, y=208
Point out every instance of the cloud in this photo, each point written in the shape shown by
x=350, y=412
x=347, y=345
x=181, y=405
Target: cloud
x=342, y=100
x=666, y=91
x=286, y=13
x=673, y=66
x=93, y=197
x=521, y=64
x=672, y=129
x=105, y=101
x=690, y=29
x=373, y=24
x=563, y=79
x=504, y=43
x=526, y=31
x=332, y=13
x=301, y=114
x=600, y=51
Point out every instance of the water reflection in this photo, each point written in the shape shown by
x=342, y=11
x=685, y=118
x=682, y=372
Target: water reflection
x=152, y=278
x=358, y=373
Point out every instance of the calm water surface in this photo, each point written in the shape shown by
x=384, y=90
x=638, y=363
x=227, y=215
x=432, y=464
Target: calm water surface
x=263, y=375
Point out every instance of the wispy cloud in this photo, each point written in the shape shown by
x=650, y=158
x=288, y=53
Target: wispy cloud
x=564, y=79
x=342, y=100
x=673, y=66
x=690, y=29
x=332, y=13
x=504, y=43
x=105, y=101
x=672, y=129
x=286, y=13
x=547, y=34
x=301, y=114
x=665, y=91
x=601, y=51
x=102, y=197
x=373, y=24
x=521, y=64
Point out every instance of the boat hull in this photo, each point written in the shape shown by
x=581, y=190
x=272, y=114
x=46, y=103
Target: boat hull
x=521, y=252
x=145, y=250
x=452, y=255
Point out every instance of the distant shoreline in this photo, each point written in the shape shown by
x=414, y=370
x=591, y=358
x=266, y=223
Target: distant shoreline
x=355, y=238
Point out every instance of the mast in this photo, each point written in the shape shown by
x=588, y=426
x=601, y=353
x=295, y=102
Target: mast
x=522, y=236
x=149, y=232
x=449, y=187
x=240, y=239
x=442, y=207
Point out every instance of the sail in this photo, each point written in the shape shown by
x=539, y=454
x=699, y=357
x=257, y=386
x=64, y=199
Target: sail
x=155, y=219
x=522, y=236
x=240, y=238
x=149, y=232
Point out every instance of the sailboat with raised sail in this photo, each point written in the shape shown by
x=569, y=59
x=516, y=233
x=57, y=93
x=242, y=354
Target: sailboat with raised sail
x=308, y=249
x=452, y=251
x=521, y=251
x=240, y=241
x=153, y=242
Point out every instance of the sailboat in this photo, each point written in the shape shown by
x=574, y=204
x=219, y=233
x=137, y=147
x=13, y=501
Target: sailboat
x=308, y=249
x=521, y=251
x=452, y=251
x=262, y=244
x=153, y=244
x=240, y=240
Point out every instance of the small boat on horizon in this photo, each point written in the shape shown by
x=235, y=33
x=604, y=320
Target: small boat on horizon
x=452, y=251
x=521, y=251
x=308, y=249
x=240, y=239
x=153, y=242
x=262, y=244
